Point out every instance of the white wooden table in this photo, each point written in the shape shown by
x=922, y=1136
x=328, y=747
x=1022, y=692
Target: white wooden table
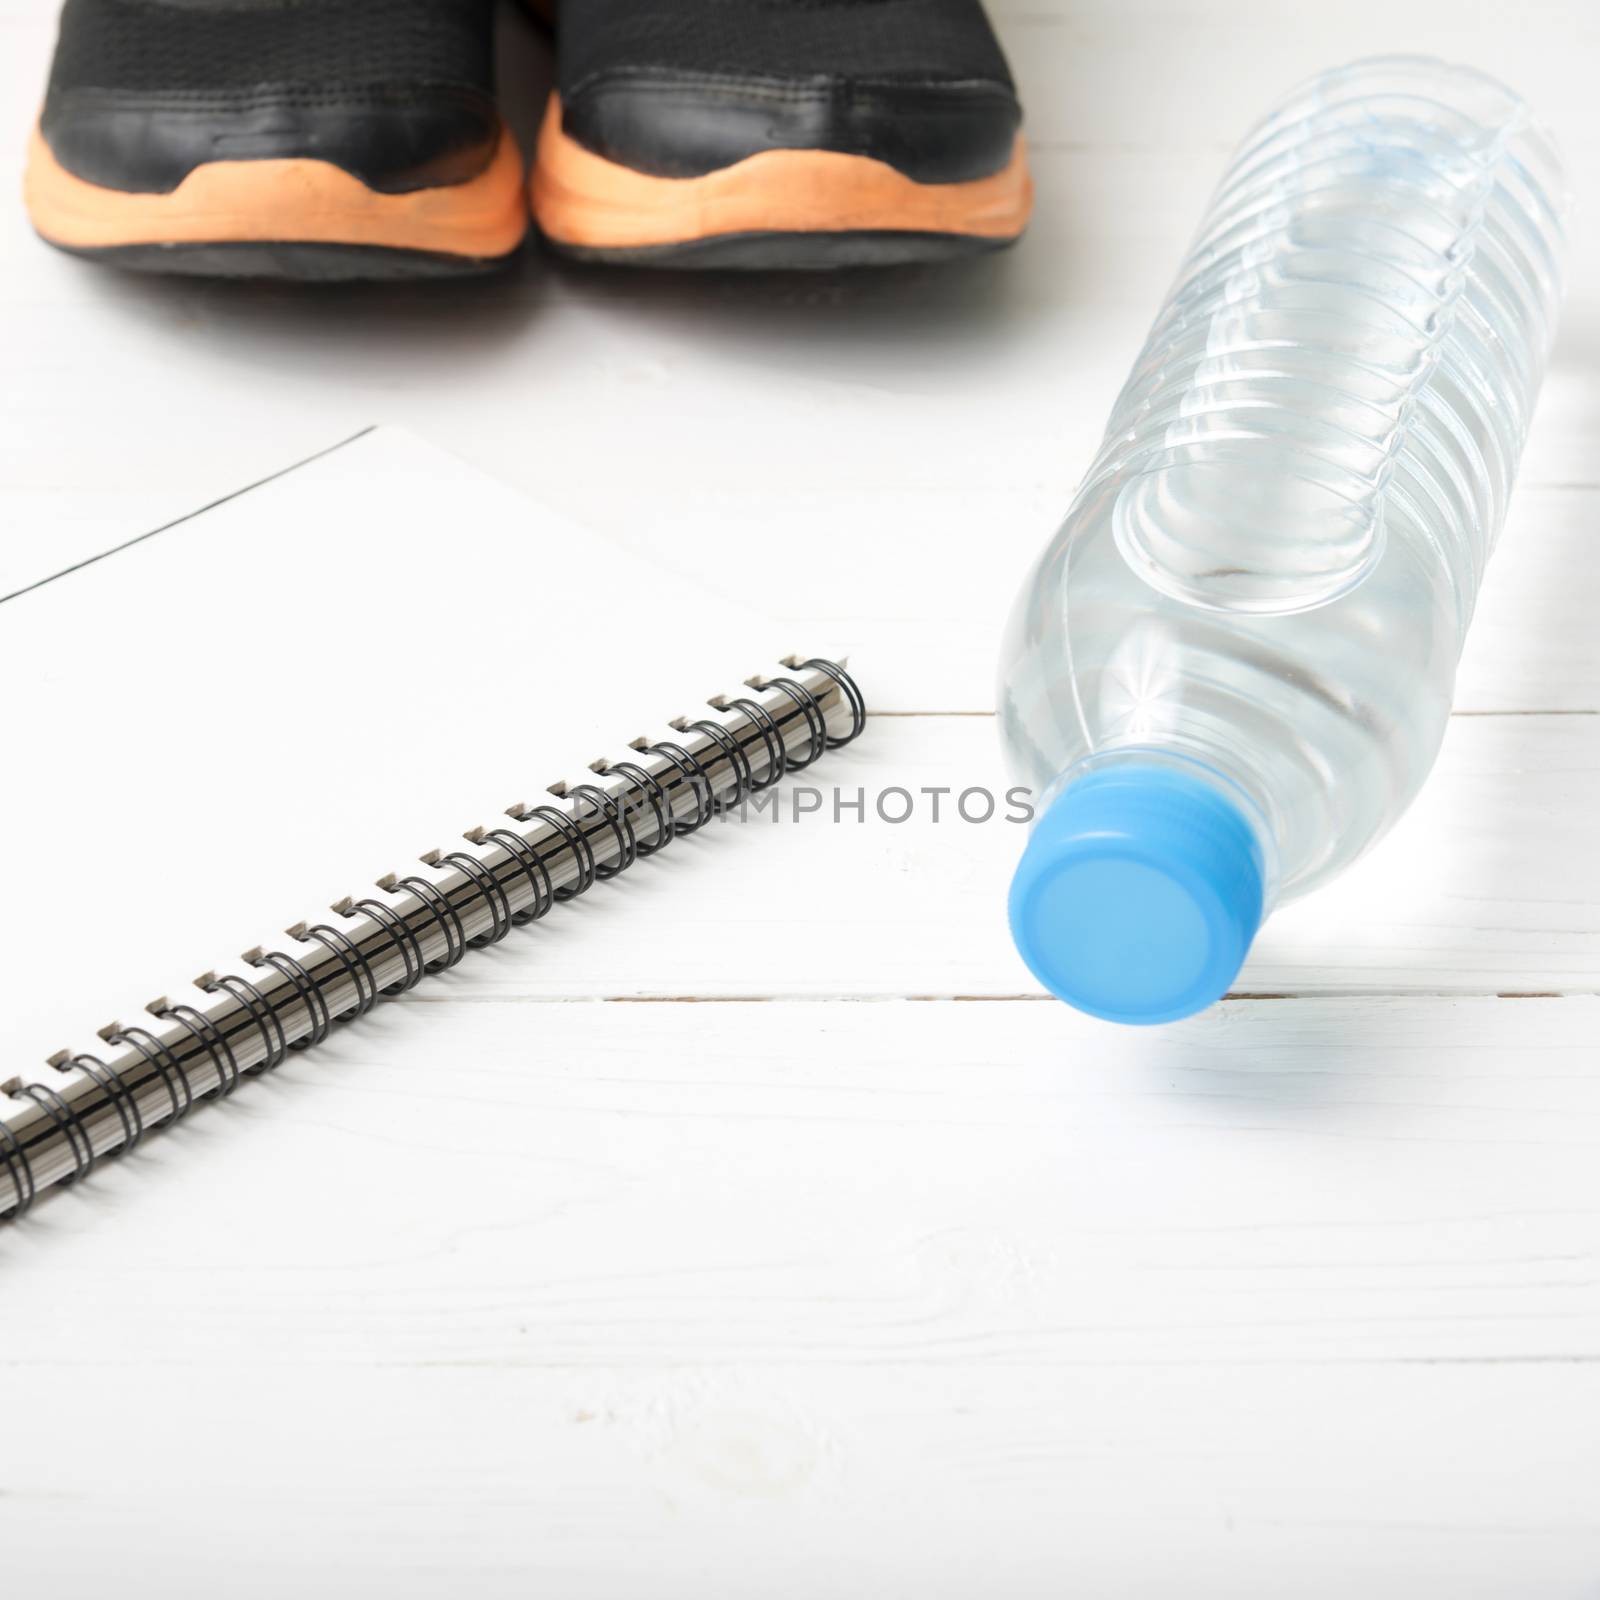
x=882, y=1275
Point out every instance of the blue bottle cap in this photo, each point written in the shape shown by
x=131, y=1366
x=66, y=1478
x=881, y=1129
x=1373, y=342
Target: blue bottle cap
x=1139, y=893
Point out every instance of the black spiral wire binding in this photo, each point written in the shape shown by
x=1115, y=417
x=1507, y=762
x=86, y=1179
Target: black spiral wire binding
x=811, y=709
x=641, y=791
x=698, y=779
x=852, y=697
x=19, y=1170
x=165, y=1064
x=733, y=752
x=445, y=917
x=204, y=1031
x=655, y=796
x=771, y=738
x=621, y=829
x=318, y=1020
x=359, y=969
x=262, y=1012
x=406, y=942
x=118, y=1095
x=67, y=1123
x=501, y=918
x=576, y=841
x=530, y=863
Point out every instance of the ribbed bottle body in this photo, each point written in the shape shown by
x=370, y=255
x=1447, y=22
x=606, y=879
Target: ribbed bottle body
x=1270, y=567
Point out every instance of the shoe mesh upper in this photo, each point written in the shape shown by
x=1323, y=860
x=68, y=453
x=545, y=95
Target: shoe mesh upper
x=923, y=40
x=183, y=46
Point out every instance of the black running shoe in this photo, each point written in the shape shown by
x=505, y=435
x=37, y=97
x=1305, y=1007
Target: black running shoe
x=319, y=139
x=780, y=133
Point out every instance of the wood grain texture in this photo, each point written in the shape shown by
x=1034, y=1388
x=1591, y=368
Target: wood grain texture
x=514, y=1291
x=902, y=444
x=1490, y=884
x=769, y=1298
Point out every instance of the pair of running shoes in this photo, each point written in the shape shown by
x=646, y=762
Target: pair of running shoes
x=331, y=139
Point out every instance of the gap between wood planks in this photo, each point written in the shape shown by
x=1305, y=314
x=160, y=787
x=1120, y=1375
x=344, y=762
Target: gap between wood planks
x=1569, y=711
x=1254, y=995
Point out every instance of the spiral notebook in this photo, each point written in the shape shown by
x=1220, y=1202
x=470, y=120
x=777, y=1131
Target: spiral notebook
x=311, y=745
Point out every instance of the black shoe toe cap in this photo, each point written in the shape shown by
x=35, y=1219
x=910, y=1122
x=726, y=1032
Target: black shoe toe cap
x=392, y=139
x=679, y=124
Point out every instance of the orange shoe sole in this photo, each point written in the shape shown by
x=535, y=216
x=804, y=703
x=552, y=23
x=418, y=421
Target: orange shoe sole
x=776, y=208
x=289, y=218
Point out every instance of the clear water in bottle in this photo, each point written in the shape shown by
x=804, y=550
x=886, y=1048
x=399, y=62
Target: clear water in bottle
x=1231, y=669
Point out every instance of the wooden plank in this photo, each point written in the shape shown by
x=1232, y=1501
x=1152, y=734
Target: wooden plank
x=924, y=641
x=1179, y=73
x=482, y=1288
x=600, y=1300
x=915, y=443
x=1490, y=884
x=596, y=1185
x=735, y=1483
x=775, y=1482
x=925, y=632
x=898, y=423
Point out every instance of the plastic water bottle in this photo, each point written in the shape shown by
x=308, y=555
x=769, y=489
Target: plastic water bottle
x=1231, y=670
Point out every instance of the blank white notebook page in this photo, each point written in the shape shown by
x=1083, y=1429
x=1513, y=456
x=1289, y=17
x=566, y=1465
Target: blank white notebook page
x=219, y=731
